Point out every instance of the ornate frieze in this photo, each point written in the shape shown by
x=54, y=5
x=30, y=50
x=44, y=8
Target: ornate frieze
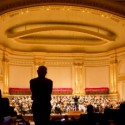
x=19, y=61
x=96, y=63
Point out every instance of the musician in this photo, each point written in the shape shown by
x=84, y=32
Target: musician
x=58, y=109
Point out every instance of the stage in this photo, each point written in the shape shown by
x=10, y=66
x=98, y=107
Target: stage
x=74, y=114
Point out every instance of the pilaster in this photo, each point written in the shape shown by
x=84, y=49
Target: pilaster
x=6, y=73
x=113, y=77
x=78, y=74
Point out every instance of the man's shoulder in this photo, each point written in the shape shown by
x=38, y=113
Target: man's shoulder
x=45, y=79
x=49, y=80
x=34, y=79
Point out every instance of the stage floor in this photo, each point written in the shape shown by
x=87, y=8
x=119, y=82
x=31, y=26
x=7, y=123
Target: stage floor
x=74, y=114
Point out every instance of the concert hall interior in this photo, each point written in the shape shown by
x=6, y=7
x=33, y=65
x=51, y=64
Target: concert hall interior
x=81, y=42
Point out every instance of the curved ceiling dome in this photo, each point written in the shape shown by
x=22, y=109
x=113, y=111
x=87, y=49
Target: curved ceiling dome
x=54, y=26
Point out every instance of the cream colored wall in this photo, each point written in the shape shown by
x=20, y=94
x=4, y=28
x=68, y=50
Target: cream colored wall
x=121, y=70
x=123, y=90
x=97, y=76
x=121, y=78
x=19, y=76
x=61, y=76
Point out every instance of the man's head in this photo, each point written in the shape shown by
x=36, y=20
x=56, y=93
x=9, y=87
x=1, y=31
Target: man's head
x=90, y=109
x=42, y=70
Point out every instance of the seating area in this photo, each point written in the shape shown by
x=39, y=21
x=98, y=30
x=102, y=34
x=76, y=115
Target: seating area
x=103, y=111
x=65, y=103
x=109, y=117
x=8, y=116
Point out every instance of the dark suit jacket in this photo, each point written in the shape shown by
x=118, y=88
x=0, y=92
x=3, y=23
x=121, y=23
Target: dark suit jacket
x=41, y=89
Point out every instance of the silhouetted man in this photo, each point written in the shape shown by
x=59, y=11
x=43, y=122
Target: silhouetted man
x=41, y=88
x=0, y=94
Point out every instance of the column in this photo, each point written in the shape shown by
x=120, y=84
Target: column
x=113, y=77
x=6, y=74
x=78, y=83
x=1, y=75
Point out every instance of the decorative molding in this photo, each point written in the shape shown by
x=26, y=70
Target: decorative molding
x=100, y=90
x=67, y=59
x=27, y=91
x=109, y=6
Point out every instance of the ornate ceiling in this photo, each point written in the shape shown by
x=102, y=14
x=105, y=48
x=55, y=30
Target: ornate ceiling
x=76, y=26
